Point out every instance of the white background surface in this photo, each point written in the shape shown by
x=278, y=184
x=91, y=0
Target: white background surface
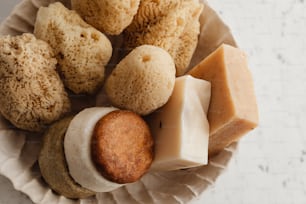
x=270, y=167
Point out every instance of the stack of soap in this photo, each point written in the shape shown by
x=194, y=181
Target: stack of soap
x=233, y=109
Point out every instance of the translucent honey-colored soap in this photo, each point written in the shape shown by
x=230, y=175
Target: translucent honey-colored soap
x=233, y=109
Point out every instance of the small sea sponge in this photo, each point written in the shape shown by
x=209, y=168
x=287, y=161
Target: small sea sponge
x=109, y=16
x=81, y=50
x=143, y=81
x=171, y=24
x=32, y=94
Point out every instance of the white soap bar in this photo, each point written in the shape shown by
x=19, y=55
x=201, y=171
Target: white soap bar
x=181, y=128
x=77, y=146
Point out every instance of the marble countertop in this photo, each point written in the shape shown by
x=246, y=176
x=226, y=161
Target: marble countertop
x=270, y=166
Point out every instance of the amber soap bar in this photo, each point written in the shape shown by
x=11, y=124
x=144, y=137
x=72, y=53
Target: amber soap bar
x=233, y=109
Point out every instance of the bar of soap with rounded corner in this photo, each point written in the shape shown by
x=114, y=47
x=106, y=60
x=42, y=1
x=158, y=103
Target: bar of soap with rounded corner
x=233, y=109
x=181, y=128
x=82, y=52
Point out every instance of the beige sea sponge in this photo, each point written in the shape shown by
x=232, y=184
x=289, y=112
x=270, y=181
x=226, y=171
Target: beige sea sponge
x=81, y=50
x=31, y=92
x=143, y=81
x=171, y=24
x=109, y=16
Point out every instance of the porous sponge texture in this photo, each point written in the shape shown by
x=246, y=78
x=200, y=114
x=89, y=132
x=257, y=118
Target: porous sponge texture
x=170, y=24
x=143, y=81
x=32, y=93
x=109, y=16
x=81, y=50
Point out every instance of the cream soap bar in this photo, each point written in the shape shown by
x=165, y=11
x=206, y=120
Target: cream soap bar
x=233, y=109
x=181, y=128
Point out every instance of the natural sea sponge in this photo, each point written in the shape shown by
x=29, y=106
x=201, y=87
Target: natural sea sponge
x=109, y=16
x=32, y=94
x=143, y=81
x=81, y=50
x=171, y=24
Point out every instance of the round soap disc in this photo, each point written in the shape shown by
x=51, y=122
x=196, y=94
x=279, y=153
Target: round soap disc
x=122, y=146
x=53, y=165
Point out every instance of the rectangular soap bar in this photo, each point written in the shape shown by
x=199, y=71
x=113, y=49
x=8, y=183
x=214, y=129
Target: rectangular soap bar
x=233, y=108
x=181, y=128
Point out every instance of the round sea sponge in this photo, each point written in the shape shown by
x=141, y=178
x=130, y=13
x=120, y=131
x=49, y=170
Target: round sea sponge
x=32, y=94
x=143, y=81
x=109, y=16
x=81, y=50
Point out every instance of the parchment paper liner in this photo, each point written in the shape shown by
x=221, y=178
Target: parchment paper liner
x=19, y=150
